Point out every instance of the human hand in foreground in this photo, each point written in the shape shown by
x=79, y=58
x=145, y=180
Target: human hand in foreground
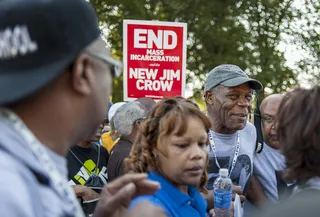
x=116, y=197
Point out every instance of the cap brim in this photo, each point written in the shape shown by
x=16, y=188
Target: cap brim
x=113, y=109
x=17, y=85
x=253, y=84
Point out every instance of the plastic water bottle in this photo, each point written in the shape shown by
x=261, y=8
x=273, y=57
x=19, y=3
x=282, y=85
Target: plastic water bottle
x=222, y=194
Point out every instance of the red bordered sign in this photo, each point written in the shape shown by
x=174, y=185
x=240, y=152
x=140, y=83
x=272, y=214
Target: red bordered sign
x=154, y=57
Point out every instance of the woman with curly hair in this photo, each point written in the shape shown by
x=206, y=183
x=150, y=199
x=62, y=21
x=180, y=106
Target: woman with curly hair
x=172, y=150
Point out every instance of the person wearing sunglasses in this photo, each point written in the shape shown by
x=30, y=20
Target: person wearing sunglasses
x=55, y=79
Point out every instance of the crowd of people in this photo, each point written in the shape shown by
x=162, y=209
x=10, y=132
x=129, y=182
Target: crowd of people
x=65, y=150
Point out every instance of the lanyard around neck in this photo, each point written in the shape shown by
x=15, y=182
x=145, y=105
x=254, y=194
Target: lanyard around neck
x=61, y=187
x=96, y=169
x=235, y=156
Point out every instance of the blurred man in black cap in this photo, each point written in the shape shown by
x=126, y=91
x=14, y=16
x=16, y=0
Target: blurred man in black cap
x=55, y=74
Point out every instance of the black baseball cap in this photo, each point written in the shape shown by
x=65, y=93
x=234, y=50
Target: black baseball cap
x=230, y=76
x=38, y=40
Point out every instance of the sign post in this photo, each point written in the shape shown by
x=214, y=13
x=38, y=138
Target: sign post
x=154, y=57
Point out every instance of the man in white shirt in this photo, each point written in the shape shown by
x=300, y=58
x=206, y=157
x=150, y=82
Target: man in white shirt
x=268, y=164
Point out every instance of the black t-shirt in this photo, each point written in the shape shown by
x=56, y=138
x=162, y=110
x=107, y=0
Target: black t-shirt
x=117, y=155
x=80, y=172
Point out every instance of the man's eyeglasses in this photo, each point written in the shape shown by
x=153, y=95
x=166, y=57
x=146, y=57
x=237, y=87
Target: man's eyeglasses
x=268, y=119
x=116, y=65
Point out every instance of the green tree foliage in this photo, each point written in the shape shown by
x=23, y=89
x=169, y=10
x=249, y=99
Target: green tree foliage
x=304, y=33
x=243, y=32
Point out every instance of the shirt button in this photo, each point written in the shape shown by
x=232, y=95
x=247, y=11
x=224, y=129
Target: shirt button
x=189, y=202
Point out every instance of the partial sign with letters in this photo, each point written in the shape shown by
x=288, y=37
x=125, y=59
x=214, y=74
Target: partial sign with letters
x=154, y=55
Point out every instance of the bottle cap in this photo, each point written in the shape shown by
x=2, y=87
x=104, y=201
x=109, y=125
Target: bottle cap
x=224, y=172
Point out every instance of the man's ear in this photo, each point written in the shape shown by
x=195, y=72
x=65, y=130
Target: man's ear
x=139, y=123
x=82, y=75
x=209, y=98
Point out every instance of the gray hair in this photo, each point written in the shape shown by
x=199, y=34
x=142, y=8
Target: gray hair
x=125, y=117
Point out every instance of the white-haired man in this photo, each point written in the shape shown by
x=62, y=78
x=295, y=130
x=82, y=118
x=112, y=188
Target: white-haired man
x=127, y=120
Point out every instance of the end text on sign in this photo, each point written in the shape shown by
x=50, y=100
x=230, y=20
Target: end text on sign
x=147, y=38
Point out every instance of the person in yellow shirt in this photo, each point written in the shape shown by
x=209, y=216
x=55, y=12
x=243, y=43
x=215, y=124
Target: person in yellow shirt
x=110, y=138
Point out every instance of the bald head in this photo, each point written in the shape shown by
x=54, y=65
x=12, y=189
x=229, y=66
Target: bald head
x=271, y=99
x=269, y=108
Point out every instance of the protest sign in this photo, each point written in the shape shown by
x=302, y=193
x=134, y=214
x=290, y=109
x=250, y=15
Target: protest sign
x=154, y=57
